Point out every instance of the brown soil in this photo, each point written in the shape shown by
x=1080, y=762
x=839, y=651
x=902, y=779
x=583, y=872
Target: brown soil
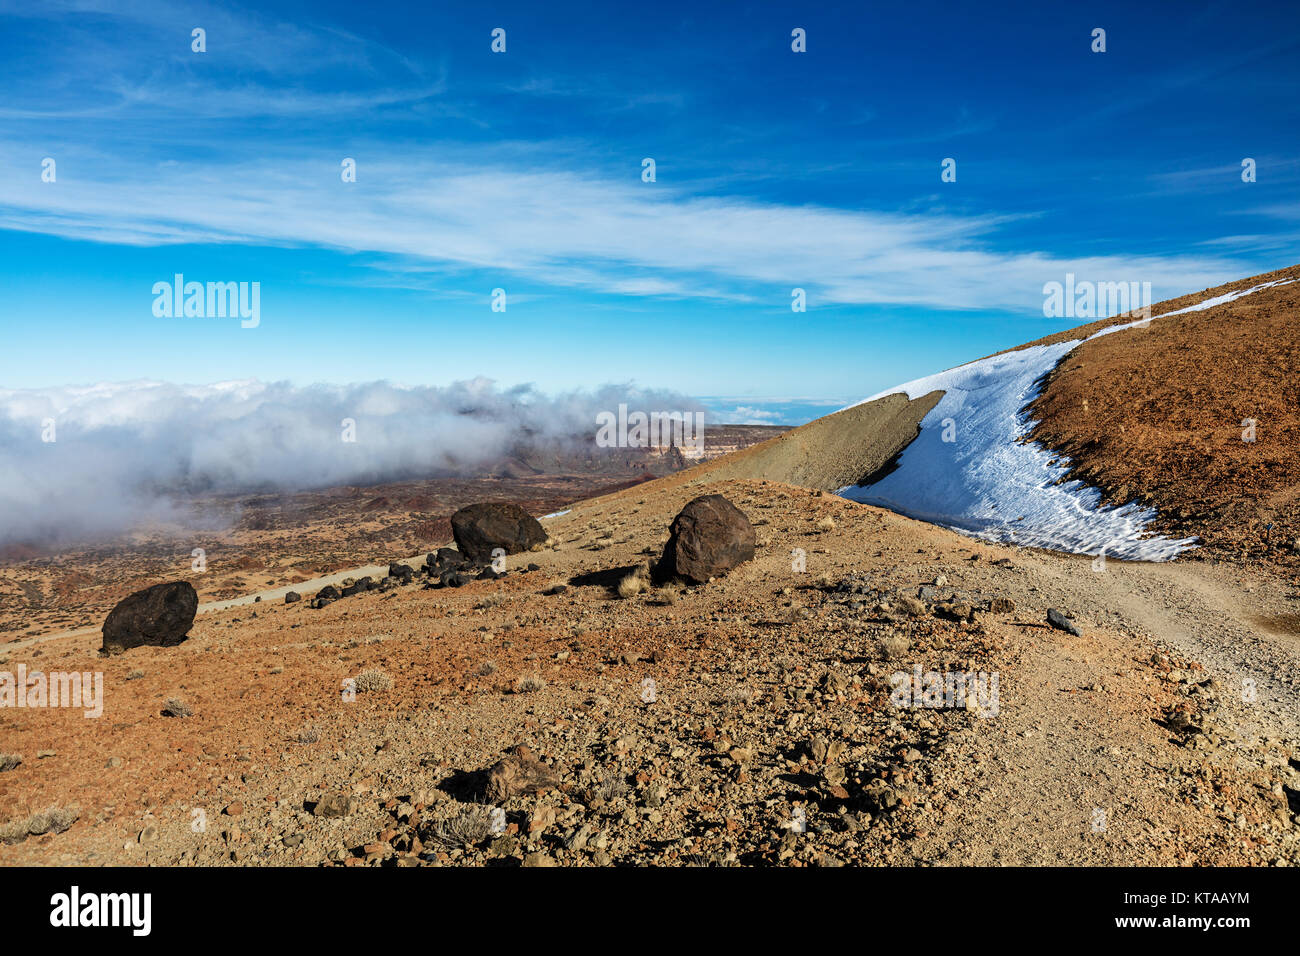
x=754, y=676
x=1156, y=414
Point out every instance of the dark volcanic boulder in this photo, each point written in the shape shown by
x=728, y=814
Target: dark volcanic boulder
x=160, y=616
x=360, y=586
x=449, y=558
x=444, y=559
x=326, y=595
x=708, y=538
x=480, y=528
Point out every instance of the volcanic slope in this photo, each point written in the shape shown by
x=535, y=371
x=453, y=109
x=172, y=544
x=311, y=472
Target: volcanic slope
x=1197, y=416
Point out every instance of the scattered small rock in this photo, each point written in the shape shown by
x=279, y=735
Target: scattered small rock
x=333, y=806
x=1062, y=623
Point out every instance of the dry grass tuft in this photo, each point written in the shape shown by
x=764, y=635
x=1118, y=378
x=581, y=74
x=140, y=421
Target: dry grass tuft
x=529, y=685
x=894, y=645
x=631, y=586
x=666, y=596
x=49, y=820
x=612, y=788
x=373, y=681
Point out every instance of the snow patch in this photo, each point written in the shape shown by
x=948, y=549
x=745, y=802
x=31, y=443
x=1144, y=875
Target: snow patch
x=988, y=483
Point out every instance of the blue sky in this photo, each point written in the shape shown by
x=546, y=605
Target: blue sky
x=522, y=171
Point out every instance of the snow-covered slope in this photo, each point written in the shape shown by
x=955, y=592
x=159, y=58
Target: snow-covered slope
x=969, y=469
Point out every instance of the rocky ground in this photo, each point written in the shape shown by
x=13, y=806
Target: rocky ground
x=562, y=716
x=250, y=541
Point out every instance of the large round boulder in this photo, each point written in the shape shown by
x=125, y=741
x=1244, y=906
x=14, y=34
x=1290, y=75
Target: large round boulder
x=479, y=529
x=708, y=538
x=160, y=616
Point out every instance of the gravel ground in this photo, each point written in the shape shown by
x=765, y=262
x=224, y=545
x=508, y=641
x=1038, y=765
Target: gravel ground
x=541, y=719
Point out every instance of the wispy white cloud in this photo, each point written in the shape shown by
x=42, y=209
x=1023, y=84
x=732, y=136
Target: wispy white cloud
x=1282, y=210
x=535, y=212
x=590, y=229
x=133, y=61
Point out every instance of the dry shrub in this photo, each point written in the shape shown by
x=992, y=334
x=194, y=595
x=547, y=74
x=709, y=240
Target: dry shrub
x=740, y=695
x=467, y=826
x=667, y=596
x=373, y=681
x=631, y=586
x=894, y=645
x=49, y=820
x=529, y=685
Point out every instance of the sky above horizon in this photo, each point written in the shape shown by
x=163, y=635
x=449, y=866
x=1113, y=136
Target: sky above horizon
x=523, y=171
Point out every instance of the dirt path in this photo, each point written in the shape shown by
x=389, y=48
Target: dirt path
x=1058, y=778
x=305, y=588
x=1211, y=614
x=1078, y=769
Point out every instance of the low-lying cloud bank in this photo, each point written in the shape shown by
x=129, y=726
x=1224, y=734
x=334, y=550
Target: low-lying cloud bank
x=84, y=461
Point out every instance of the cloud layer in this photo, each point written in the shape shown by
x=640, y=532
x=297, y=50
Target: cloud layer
x=124, y=454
